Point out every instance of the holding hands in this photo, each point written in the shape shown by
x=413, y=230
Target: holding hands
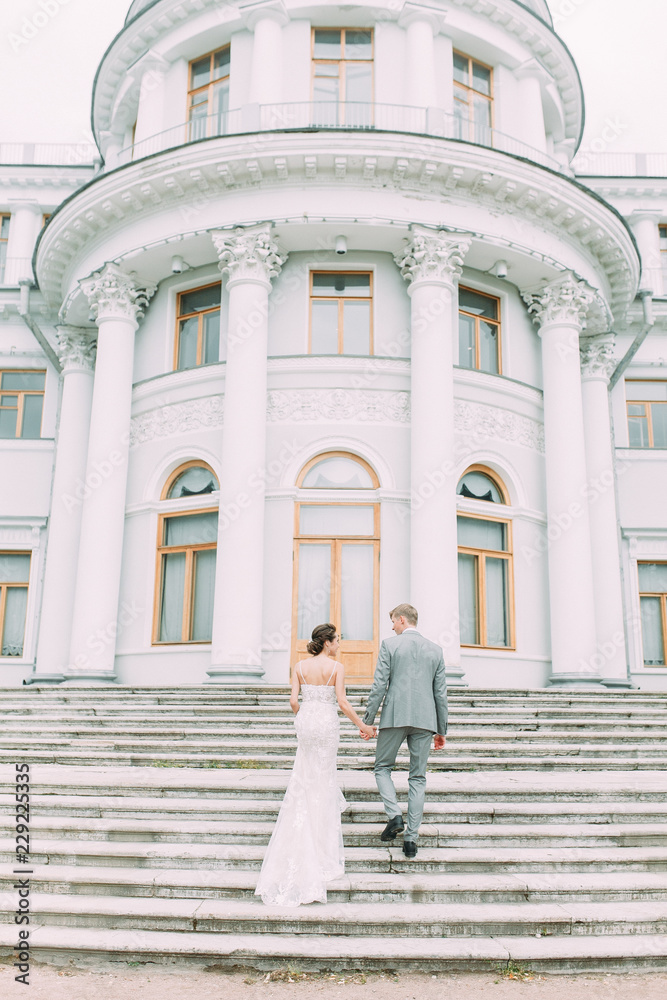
x=366, y=732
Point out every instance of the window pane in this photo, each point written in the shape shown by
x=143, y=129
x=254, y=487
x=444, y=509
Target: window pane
x=326, y=44
x=325, y=92
x=468, y=599
x=200, y=72
x=337, y=474
x=488, y=347
x=220, y=105
x=659, y=420
x=324, y=333
x=14, y=567
x=653, y=641
x=191, y=529
x=497, y=603
x=340, y=284
x=652, y=390
x=211, y=337
x=221, y=63
x=32, y=416
x=204, y=588
x=4, y=227
x=481, y=78
x=358, y=44
x=187, y=343
x=478, y=304
x=314, y=588
x=359, y=83
x=14, y=626
x=652, y=578
x=461, y=68
x=23, y=380
x=357, y=591
x=193, y=481
x=173, y=588
x=356, y=327
x=8, y=423
x=482, y=117
x=200, y=298
x=343, y=519
x=638, y=430
x=466, y=341
x=477, y=486
x=476, y=533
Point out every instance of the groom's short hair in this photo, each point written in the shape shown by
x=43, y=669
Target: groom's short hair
x=405, y=611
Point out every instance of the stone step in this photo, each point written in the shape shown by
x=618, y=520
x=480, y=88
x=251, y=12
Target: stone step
x=405, y=886
x=377, y=859
x=358, y=834
x=584, y=953
x=415, y=920
x=266, y=809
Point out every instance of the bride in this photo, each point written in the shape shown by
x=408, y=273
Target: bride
x=306, y=847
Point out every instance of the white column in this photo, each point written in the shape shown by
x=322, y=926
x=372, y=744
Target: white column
x=597, y=364
x=76, y=350
x=24, y=227
x=150, y=112
x=117, y=301
x=560, y=309
x=531, y=75
x=266, y=69
x=420, y=78
x=432, y=263
x=251, y=259
x=645, y=227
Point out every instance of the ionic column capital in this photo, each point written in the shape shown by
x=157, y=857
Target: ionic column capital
x=248, y=254
x=432, y=256
x=77, y=348
x=567, y=301
x=115, y=294
x=598, y=358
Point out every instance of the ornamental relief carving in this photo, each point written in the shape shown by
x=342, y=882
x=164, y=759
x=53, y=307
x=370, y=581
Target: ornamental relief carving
x=248, y=253
x=332, y=405
x=597, y=358
x=568, y=300
x=432, y=255
x=77, y=347
x=480, y=422
x=112, y=292
x=177, y=418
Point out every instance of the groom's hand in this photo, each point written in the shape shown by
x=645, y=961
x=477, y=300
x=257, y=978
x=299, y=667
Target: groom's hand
x=438, y=742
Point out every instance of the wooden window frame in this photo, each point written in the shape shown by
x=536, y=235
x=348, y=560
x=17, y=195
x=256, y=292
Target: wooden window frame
x=188, y=605
x=3, y=600
x=341, y=299
x=338, y=454
x=342, y=99
x=470, y=90
x=492, y=322
x=480, y=581
x=179, y=472
x=21, y=393
x=490, y=474
x=200, y=328
x=663, y=614
x=647, y=404
x=662, y=235
x=207, y=86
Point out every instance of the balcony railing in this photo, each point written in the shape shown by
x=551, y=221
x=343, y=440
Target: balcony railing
x=621, y=164
x=360, y=117
x=55, y=154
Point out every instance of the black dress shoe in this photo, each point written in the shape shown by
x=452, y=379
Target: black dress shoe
x=393, y=827
x=409, y=848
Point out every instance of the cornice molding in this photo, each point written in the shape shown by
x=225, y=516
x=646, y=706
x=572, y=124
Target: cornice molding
x=437, y=170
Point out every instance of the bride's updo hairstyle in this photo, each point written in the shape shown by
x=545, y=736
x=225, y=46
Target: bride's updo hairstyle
x=319, y=635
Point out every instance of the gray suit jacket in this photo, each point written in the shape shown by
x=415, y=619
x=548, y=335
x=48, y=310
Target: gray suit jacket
x=410, y=676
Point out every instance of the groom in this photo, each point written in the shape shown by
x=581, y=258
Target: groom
x=410, y=677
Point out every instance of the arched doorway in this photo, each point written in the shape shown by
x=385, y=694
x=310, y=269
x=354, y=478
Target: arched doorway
x=337, y=559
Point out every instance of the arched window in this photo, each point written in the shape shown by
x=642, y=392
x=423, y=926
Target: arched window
x=486, y=606
x=336, y=558
x=186, y=553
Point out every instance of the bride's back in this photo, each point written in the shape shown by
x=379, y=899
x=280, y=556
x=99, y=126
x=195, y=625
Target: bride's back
x=317, y=670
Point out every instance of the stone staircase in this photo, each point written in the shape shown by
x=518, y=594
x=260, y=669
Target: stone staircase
x=544, y=840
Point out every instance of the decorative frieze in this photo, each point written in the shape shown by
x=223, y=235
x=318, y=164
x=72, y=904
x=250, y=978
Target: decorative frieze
x=77, y=347
x=177, y=418
x=480, y=422
x=432, y=256
x=337, y=406
x=248, y=254
x=114, y=294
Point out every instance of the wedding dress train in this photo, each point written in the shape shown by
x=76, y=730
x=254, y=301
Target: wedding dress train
x=306, y=847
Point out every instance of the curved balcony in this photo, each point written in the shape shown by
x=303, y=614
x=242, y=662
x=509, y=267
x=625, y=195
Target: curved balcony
x=316, y=116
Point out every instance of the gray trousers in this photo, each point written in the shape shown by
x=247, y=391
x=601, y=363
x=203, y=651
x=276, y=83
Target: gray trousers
x=419, y=744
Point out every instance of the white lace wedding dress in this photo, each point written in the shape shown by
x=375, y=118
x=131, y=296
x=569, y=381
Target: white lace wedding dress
x=306, y=847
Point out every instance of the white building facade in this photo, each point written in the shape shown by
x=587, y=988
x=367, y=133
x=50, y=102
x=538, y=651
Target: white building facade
x=332, y=324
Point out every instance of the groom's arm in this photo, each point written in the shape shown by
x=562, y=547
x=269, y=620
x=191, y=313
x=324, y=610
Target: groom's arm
x=440, y=696
x=380, y=685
